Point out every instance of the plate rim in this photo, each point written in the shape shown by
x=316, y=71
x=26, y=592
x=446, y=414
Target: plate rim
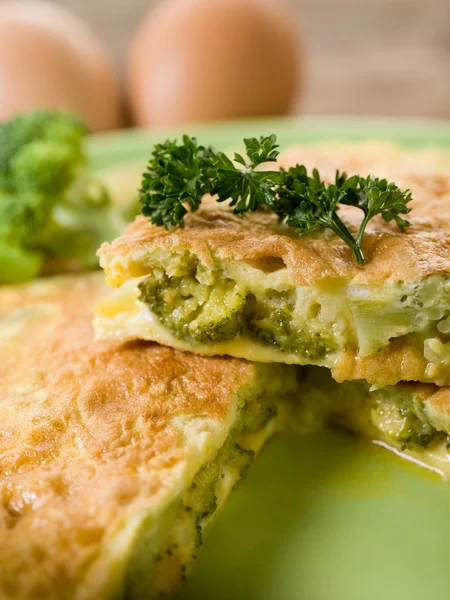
x=411, y=131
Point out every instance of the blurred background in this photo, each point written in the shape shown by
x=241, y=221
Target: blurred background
x=346, y=57
x=365, y=57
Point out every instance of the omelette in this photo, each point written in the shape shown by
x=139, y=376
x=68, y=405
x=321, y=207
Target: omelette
x=252, y=288
x=113, y=459
x=410, y=419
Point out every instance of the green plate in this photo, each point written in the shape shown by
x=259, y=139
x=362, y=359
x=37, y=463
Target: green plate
x=324, y=517
x=131, y=145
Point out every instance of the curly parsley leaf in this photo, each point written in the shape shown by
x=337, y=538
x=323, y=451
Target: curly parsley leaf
x=177, y=177
x=379, y=197
x=239, y=182
x=308, y=204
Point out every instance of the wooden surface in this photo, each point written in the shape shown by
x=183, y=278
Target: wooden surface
x=386, y=57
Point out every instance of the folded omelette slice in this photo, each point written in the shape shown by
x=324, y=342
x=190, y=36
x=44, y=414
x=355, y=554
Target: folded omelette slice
x=113, y=459
x=252, y=288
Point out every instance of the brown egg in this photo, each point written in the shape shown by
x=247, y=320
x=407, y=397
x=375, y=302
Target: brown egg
x=50, y=59
x=201, y=60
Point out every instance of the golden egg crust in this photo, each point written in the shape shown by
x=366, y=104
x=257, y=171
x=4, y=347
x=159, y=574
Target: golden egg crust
x=95, y=439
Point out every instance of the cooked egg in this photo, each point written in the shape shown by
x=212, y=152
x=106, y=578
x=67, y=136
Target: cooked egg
x=202, y=60
x=50, y=59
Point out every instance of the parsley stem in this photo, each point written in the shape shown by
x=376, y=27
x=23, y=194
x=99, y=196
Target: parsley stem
x=341, y=230
x=362, y=228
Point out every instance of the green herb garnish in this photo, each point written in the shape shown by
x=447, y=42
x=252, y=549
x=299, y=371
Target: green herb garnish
x=179, y=175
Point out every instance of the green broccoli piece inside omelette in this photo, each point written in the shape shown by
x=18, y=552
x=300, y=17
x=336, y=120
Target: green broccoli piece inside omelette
x=51, y=204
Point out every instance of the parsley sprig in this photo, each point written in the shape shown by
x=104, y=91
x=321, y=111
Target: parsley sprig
x=179, y=175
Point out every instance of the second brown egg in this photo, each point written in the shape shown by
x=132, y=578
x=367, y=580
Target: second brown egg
x=203, y=60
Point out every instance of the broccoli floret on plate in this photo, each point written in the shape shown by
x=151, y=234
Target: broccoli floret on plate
x=51, y=205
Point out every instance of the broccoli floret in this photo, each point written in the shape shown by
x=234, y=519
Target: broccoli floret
x=51, y=205
x=402, y=421
x=36, y=135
